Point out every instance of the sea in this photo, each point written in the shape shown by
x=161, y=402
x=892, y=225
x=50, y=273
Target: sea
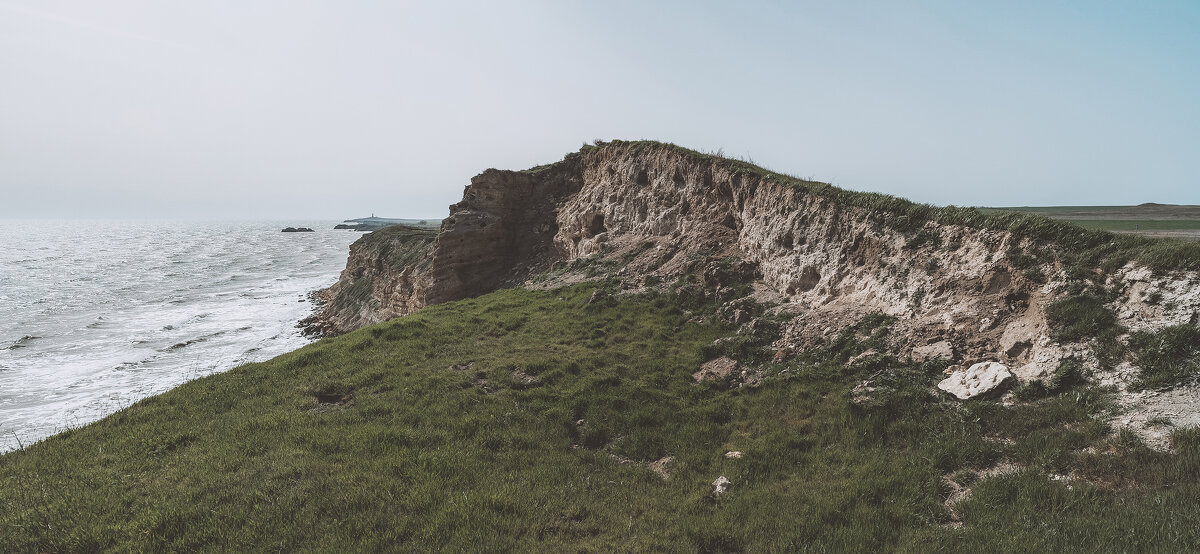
x=95, y=315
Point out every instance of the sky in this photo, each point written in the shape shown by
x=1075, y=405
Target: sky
x=330, y=110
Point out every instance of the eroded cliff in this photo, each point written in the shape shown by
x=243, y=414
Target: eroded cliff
x=386, y=276
x=962, y=285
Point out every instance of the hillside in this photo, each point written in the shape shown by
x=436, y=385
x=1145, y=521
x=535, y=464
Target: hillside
x=587, y=348
x=968, y=285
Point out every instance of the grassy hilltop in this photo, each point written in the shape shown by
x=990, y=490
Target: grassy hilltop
x=526, y=420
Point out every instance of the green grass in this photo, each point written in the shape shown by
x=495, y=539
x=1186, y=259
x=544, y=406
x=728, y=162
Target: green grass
x=424, y=434
x=1080, y=317
x=1058, y=209
x=1084, y=317
x=1138, y=224
x=1166, y=357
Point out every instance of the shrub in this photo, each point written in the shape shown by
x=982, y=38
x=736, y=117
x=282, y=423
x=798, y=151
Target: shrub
x=1036, y=275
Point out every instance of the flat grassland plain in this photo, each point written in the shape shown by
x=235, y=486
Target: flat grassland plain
x=1151, y=220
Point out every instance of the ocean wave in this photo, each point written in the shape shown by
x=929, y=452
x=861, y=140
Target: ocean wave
x=190, y=342
x=21, y=342
x=144, y=344
x=133, y=365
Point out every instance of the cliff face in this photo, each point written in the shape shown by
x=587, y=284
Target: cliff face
x=386, y=276
x=970, y=291
x=500, y=231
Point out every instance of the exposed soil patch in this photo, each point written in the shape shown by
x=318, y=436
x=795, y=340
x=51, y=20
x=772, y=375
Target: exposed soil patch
x=659, y=466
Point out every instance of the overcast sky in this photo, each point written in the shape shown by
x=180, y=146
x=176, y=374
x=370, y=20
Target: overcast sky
x=308, y=109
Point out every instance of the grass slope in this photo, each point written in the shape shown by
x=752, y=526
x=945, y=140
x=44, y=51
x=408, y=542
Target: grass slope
x=458, y=428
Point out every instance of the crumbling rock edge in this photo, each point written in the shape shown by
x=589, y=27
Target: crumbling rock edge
x=650, y=213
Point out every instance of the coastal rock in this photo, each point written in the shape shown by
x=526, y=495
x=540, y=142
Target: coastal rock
x=297, y=230
x=651, y=214
x=386, y=276
x=976, y=380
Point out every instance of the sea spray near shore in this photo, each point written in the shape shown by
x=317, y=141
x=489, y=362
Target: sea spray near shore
x=95, y=315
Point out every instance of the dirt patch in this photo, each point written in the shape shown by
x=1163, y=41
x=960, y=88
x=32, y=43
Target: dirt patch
x=333, y=398
x=962, y=483
x=522, y=380
x=659, y=466
x=1154, y=415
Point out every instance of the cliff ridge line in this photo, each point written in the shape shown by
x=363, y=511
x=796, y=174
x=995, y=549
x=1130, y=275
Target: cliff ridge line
x=958, y=282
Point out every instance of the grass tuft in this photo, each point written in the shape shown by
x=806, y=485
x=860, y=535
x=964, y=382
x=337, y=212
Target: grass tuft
x=1166, y=357
x=1080, y=317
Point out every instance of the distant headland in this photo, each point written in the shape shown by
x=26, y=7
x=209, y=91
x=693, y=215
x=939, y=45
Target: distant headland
x=374, y=223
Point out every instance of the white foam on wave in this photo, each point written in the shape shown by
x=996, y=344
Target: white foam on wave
x=120, y=326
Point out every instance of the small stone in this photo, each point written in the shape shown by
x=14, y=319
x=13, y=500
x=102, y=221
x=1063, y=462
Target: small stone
x=733, y=455
x=721, y=485
x=861, y=394
x=598, y=295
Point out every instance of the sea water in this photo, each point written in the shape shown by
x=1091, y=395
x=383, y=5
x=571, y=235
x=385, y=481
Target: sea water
x=95, y=315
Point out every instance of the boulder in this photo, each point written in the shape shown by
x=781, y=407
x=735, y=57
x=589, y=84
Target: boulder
x=978, y=379
x=720, y=369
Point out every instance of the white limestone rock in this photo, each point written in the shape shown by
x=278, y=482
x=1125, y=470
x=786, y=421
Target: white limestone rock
x=976, y=380
x=721, y=485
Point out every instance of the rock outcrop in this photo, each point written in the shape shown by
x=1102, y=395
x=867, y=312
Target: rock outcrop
x=386, y=276
x=720, y=369
x=977, y=380
x=960, y=289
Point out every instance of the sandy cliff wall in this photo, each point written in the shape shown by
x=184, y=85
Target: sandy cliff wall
x=387, y=275
x=831, y=256
x=500, y=231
